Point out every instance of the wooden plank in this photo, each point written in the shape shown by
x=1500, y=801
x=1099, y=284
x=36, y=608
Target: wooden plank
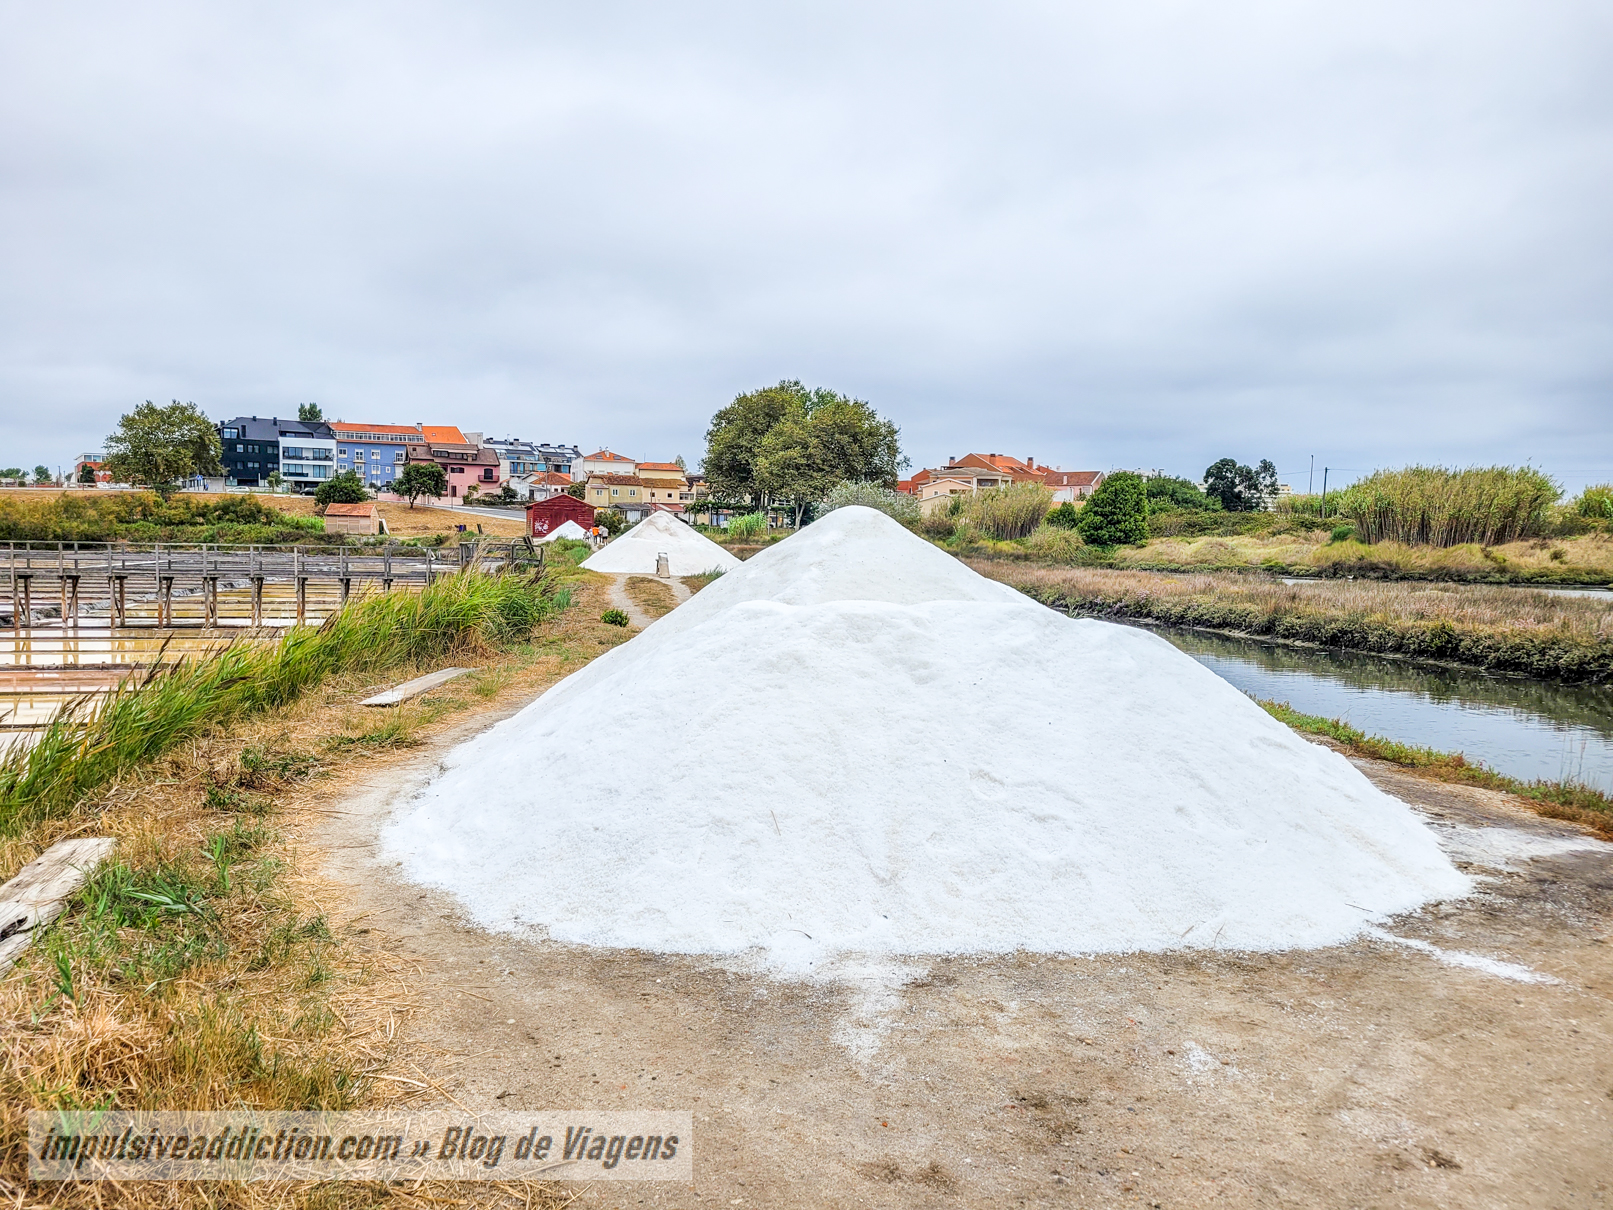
x=399, y=694
x=39, y=892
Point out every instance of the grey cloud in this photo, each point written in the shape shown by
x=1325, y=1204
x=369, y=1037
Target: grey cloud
x=1104, y=235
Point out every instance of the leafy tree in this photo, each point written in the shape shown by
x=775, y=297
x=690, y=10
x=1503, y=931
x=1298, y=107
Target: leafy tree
x=680, y=464
x=345, y=488
x=1241, y=489
x=1064, y=516
x=274, y=479
x=1167, y=492
x=612, y=520
x=578, y=490
x=86, y=473
x=790, y=444
x=310, y=411
x=12, y=473
x=1117, y=513
x=422, y=479
x=508, y=495
x=162, y=447
x=42, y=475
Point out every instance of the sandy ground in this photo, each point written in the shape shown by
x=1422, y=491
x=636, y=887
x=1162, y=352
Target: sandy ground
x=1371, y=1074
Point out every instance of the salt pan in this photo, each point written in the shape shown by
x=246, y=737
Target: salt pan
x=875, y=750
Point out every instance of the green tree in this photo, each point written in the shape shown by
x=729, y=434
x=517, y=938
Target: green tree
x=345, y=488
x=612, y=520
x=1167, y=492
x=162, y=447
x=577, y=490
x=310, y=411
x=1241, y=489
x=86, y=473
x=422, y=479
x=42, y=475
x=1117, y=513
x=11, y=474
x=274, y=479
x=790, y=444
x=1065, y=516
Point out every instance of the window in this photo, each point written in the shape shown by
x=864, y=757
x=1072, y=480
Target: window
x=240, y=449
x=231, y=433
x=343, y=453
x=616, y=491
x=456, y=470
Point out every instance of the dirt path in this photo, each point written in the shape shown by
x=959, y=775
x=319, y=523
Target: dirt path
x=1367, y=1074
x=636, y=616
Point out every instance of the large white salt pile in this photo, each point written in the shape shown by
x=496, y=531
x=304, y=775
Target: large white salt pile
x=634, y=553
x=566, y=529
x=874, y=749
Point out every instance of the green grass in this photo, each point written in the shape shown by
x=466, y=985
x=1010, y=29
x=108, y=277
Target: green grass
x=1555, y=799
x=91, y=743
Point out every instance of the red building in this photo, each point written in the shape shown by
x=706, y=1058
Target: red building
x=545, y=515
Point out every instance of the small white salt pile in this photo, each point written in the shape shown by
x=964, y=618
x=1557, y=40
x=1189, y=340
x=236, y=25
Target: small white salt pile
x=855, y=744
x=634, y=553
x=566, y=529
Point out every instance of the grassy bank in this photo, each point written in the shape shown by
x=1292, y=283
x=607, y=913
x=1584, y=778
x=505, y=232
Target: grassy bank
x=206, y=965
x=88, y=516
x=1500, y=629
x=93, y=743
x=1553, y=799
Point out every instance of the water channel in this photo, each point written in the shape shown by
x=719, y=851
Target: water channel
x=1524, y=728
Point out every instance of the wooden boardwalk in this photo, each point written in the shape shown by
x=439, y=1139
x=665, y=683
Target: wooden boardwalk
x=70, y=584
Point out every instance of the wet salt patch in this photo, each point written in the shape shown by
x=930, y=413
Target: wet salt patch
x=1461, y=958
x=1505, y=848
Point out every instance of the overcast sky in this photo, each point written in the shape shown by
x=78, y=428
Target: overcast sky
x=1137, y=235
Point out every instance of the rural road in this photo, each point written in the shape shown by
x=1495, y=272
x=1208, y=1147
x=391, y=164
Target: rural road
x=1366, y=1074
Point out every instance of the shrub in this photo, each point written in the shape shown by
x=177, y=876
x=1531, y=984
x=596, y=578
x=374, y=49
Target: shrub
x=612, y=520
x=1064, y=516
x=1051, y=544
x=1341, y=533
x=898, y=505
x=1596, y=502
x=1009, y=512
x=1436, y=506
x=345, y=488
x=940, y=524
x=1117, y=513
x=750, y=526
x=613, y=617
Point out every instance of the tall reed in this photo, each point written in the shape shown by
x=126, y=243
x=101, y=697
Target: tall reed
x=1437, y=506
x=92, y=742
x=1009, y=512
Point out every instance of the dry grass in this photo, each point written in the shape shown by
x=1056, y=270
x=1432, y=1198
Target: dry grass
x=247, y=992
x=401, y=520
x=652, y=596
x=1508, y=629
x=1589, y=618
x=1587, y=558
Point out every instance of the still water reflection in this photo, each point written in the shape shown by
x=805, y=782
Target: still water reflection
x=1524, y=728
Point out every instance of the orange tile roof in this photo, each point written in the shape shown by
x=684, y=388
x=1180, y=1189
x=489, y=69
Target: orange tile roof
x=445, y=433
x=606, y=456
x=350, y=510
x=661, y=466
x=1072, y=478
x=343, y=427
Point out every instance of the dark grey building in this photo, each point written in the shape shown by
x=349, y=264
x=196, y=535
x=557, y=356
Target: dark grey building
x=302, y=452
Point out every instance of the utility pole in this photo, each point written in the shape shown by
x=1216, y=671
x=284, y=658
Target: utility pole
x=1324, y=493
x=1310, y=484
